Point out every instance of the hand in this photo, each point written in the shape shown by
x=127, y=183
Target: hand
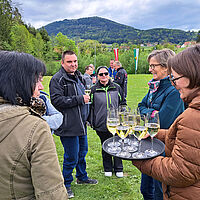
x=94, y=80
x=137, y=163
x=86, y=98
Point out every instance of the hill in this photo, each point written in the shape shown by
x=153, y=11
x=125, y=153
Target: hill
x=107, y=31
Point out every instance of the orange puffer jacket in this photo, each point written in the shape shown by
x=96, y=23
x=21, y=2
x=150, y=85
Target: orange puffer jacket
x=179, y=171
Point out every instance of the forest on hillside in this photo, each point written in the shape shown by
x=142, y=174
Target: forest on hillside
x=107, y=31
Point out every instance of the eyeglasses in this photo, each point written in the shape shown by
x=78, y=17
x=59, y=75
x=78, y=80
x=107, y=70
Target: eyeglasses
x=152, y=66
x=173, y=80
x=105, y=73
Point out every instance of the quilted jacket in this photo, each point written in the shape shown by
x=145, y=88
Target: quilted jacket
x=179, y=171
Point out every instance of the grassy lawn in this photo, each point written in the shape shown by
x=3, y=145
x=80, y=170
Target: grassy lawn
x=109, y=188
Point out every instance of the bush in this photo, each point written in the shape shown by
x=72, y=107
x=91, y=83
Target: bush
x=52, y=67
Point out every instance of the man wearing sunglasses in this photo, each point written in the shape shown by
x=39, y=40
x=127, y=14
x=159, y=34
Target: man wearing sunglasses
x=121, y=77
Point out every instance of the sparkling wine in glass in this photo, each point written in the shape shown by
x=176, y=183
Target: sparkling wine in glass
x=88, y=91
x=112, y=123
x=139, y=131
x=122, y=131
x=124, y=111
x=132, y=144
x=153, y=126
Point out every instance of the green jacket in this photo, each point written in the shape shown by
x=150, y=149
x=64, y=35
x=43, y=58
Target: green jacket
x=29, y=166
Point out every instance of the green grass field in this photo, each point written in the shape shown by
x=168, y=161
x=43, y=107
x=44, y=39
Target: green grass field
x=109, y=188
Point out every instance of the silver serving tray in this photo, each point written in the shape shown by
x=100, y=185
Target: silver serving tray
x=158, y=146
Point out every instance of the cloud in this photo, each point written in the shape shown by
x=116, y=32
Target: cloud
x=142, y=14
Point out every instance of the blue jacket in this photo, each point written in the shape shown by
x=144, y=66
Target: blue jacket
x=53, y=117
x=112, y=73
x=166, y=100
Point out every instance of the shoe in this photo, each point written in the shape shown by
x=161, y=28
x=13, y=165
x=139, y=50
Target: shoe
x=70, y=193
x=108, y=174
x=120, y=174
x=88, y=181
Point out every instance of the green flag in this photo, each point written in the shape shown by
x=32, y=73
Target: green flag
x=136, y=55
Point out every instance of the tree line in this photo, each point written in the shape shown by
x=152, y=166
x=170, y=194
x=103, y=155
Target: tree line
x=15, y=35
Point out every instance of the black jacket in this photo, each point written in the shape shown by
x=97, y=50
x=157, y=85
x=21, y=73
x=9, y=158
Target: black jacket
x=121, y=79
x=65, y=93
x=104, y=97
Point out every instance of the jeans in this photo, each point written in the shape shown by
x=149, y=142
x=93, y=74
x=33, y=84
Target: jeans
x=109, y=162
x=75, y=150
x=151, y=189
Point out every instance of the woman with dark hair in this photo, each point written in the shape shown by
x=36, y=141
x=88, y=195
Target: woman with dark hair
x=105, y=94
x=29, y=165
x=179, y=170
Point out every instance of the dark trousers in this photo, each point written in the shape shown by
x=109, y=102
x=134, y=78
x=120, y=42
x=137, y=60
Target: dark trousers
x=75, y=150
x=109, y=162
x=151, y=189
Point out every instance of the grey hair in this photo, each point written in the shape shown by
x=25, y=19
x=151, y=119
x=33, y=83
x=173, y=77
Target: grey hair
x=161, y=56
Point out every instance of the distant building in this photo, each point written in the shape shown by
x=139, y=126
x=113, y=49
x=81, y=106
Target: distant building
x=188, y=44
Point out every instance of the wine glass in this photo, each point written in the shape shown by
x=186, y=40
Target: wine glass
x=123, y=113
x=88, y=91
x=123, y=131
x=153, y=126
x=137, y=117
x=112, y=123
x=139, y=131
x=130, y=121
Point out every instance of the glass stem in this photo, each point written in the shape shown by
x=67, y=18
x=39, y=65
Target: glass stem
x=113, y=140
x=139, y=147
x=151, y=143
x=122, y=144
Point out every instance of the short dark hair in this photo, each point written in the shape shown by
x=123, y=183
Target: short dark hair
x=19, y=73
x=161, y=56
x=100, y=67
x=187, y=63
x=87, y=67
x=68, y=52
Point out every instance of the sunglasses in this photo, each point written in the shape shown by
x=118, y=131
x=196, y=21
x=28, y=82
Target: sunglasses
x=105, y=73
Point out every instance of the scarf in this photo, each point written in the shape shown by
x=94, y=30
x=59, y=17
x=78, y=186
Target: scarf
x=37, y=105
x=153, y=87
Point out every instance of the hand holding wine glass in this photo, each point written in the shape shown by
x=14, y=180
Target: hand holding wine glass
x=87, y=92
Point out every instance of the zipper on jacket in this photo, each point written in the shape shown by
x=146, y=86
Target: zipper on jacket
x=79, y=110
x=108, y=100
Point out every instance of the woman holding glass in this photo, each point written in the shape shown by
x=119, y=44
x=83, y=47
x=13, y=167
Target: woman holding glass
x=164, y=99
x=179, y=170
x=105, y=95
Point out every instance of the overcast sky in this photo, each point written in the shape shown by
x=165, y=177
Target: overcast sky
x=140, y=14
